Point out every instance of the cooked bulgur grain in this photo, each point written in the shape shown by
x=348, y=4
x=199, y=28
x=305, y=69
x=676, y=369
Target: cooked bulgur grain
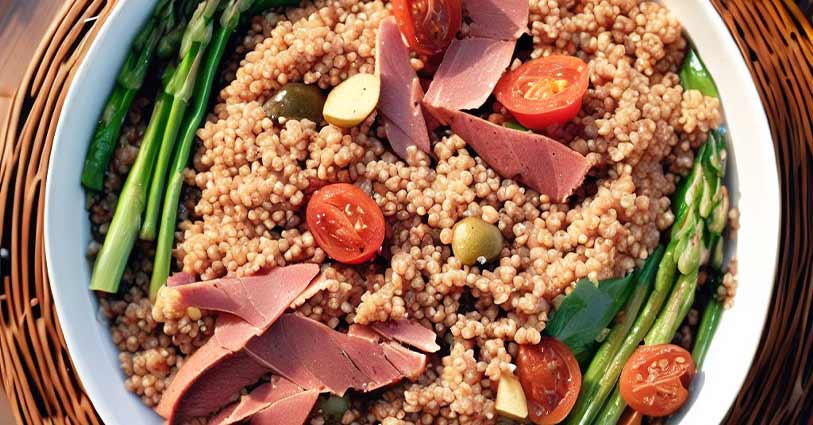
x=243, y=209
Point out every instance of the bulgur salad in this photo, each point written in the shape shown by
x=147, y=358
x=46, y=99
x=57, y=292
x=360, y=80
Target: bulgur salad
x=411, y=212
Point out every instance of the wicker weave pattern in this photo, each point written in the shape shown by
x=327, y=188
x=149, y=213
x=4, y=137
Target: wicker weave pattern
x=778, y=42
x=34, y=364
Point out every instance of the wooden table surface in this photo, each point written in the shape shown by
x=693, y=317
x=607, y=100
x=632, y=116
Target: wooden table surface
x=22, y=25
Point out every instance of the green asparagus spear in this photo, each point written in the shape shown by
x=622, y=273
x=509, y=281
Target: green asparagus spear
x=612, y=410
x=700, y=216
x=123, y=230
x=586, y=407
x=124, y=227
x=166, y=236
x=663, y=283
x=709, y=322
x=193, y=46
x=129, y=81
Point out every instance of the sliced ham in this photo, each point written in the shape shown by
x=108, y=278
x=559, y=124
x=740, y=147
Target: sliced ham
x=409, y=333
x=411, y=364
x=207, y=381
x=364, y=332
x=258, y=399
x=400, y=101
x=316, y=286
x=540, y=162
x=497, y=19
x=273, y=351
x=181, y=278
x=469, y=72
x=221, y=367
x=293, y=410
x=369, y=358
x=307, y=352
x=258, y=300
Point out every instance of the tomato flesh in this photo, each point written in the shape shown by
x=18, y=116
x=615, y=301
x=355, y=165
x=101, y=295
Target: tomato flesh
x=428, y=25
x=545, y=91
x=550, y=378
x=346, y=223
x=656, y=379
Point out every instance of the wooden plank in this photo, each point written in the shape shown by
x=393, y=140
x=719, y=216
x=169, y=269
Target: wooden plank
x=22, y=25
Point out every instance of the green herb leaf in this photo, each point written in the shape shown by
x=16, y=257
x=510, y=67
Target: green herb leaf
x=694, y=75
x=587, y=311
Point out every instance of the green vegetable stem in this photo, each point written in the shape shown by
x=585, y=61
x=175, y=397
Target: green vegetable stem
x=166, y=235
x=181, y=87
x=595, y=386
x=129, y=81
x=127, y=218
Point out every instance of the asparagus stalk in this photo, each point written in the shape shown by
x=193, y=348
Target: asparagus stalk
x=123, y=230
x=124, y=227
x=129, y=81
x=613, y=410
x=585, y=409
x=663, y=284
x=709, y=322
x=181, y=87
x=702, y=207
x=166, y=235
x=171, y=41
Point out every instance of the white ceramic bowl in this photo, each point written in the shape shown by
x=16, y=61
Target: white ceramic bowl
x=755, y=189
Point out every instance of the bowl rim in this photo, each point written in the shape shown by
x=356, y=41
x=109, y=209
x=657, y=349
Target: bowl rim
x=123, y=23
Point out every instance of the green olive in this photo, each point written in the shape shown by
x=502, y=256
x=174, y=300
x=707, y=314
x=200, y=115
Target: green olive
x=475, y=241
x=296, y=101
x=333, y=407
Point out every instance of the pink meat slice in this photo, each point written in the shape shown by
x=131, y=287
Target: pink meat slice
x=364, y=332
x=400, y=101
x=543, y=164
x=180, y=278
x=258, y=399
x=258, y=300
x=233, y=333
x=497, y=19
x=411, y=364
x=469, y=72
x=273, y=350
x=207, y=381
x=293, y=410
x=409, y=333
x=369, y=358
x=315, y=286
x=299, y=348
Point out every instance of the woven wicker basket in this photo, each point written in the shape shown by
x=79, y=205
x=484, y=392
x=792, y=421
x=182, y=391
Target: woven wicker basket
x=773, y=35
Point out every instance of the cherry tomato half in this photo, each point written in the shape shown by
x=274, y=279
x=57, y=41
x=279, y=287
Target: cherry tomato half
x=655, y=379
x=544, y=91
x=551, y=379
x=428, y=25
x=346, y=223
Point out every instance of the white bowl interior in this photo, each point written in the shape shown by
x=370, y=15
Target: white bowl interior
x=67, y=230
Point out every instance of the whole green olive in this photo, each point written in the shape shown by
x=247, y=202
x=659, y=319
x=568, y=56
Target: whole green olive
x=476, y=242
x=296, y=101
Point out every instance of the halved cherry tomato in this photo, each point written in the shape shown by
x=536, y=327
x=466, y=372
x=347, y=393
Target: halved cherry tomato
x=656, y=379
x=544, y=91
x=551, y=379
x=346, y=223
x=428, y=25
